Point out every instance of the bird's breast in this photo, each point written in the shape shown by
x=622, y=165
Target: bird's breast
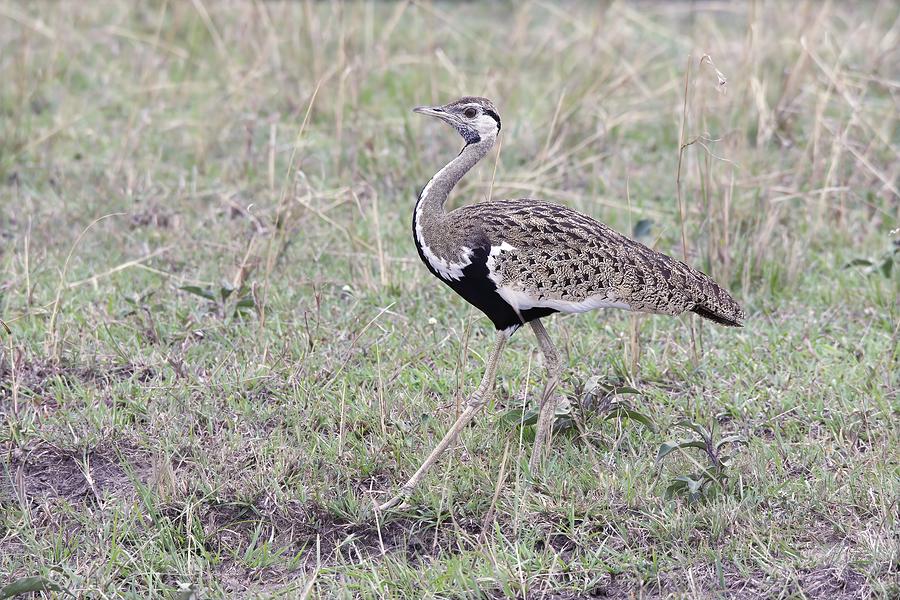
x=445, y=249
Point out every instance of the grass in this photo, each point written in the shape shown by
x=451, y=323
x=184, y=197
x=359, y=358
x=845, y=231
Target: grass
x=159, y=443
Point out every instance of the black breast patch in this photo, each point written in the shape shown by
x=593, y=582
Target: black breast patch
x=478, y=290
x=481, y=292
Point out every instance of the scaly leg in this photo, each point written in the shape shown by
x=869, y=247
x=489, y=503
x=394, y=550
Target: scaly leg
x=548, y=400
x=475, y=402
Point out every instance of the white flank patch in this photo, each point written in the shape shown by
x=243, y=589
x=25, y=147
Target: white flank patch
x=493, y=274
x=520, y=301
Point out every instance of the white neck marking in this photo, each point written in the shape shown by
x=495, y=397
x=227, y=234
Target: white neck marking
x=448, y=270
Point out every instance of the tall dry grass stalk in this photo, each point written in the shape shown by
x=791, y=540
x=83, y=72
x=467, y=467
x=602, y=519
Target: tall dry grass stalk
x=682, y=146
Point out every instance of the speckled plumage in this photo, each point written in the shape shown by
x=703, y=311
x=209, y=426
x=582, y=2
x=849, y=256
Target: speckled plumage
x=560, y=254
x=522, y=259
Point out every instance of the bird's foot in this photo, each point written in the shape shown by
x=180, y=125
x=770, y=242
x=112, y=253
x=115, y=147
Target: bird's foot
x=543, y=432
x=397, y=502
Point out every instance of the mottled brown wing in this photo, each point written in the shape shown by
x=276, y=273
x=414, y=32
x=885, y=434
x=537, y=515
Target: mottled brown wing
x=557, y=254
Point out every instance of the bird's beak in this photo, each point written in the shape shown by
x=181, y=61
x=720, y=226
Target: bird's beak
x=433, y=111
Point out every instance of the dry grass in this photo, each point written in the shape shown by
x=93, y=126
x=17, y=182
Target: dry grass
x=155, y=440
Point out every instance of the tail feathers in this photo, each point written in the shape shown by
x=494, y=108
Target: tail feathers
x=715, y=317
x=713, y=302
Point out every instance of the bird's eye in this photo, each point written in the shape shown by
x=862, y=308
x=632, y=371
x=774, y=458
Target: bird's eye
x=470, y=113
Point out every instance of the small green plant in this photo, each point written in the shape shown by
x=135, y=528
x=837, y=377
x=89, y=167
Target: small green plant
x=708, y=478
x=641, y=230
x=604, y=398
x=597, y=398
x=883, y=263
x=238, y=302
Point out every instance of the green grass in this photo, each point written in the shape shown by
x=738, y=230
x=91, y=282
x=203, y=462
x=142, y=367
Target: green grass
x=153, y=439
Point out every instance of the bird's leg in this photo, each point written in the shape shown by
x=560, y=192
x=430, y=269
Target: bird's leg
x=478, y=399
x=548, y=399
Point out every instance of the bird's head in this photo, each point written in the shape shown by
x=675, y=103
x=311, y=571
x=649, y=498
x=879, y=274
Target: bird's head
x=474, y=118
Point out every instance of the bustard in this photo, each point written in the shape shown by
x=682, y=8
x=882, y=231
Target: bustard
x=520, y=260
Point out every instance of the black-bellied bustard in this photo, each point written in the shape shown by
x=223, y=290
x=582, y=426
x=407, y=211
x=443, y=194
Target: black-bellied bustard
x=520, y=260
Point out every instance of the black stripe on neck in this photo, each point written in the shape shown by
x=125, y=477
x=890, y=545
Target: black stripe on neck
x=491, y=113
x=470, y=136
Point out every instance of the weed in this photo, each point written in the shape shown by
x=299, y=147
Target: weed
x=708, y=478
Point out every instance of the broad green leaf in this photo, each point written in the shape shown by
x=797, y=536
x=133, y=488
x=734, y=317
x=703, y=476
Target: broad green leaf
x=642, y=228
x=242, y=306
x=695, y=487
x=563, y=408
x=563, y=423
x=593, y=385
x=858, y=262
x=623, y=389
x=514, y=417
x=621, y=411
x=28, y=585
x=245, y=302
x=731, y=439
x=668, y=447
x=686, y=484
x=198, y=291
x=887, y=266
x=675, y=487
x=692, y=483
x=596, y=384
x=696, y=427
x=530, y=418
x=511, y=416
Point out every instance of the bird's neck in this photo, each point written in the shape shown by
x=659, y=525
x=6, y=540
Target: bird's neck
x=431, y=201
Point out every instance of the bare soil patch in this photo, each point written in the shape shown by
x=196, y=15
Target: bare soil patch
x=821, y=583
x=37, y=376
x=45, y=471
x=323, y=537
